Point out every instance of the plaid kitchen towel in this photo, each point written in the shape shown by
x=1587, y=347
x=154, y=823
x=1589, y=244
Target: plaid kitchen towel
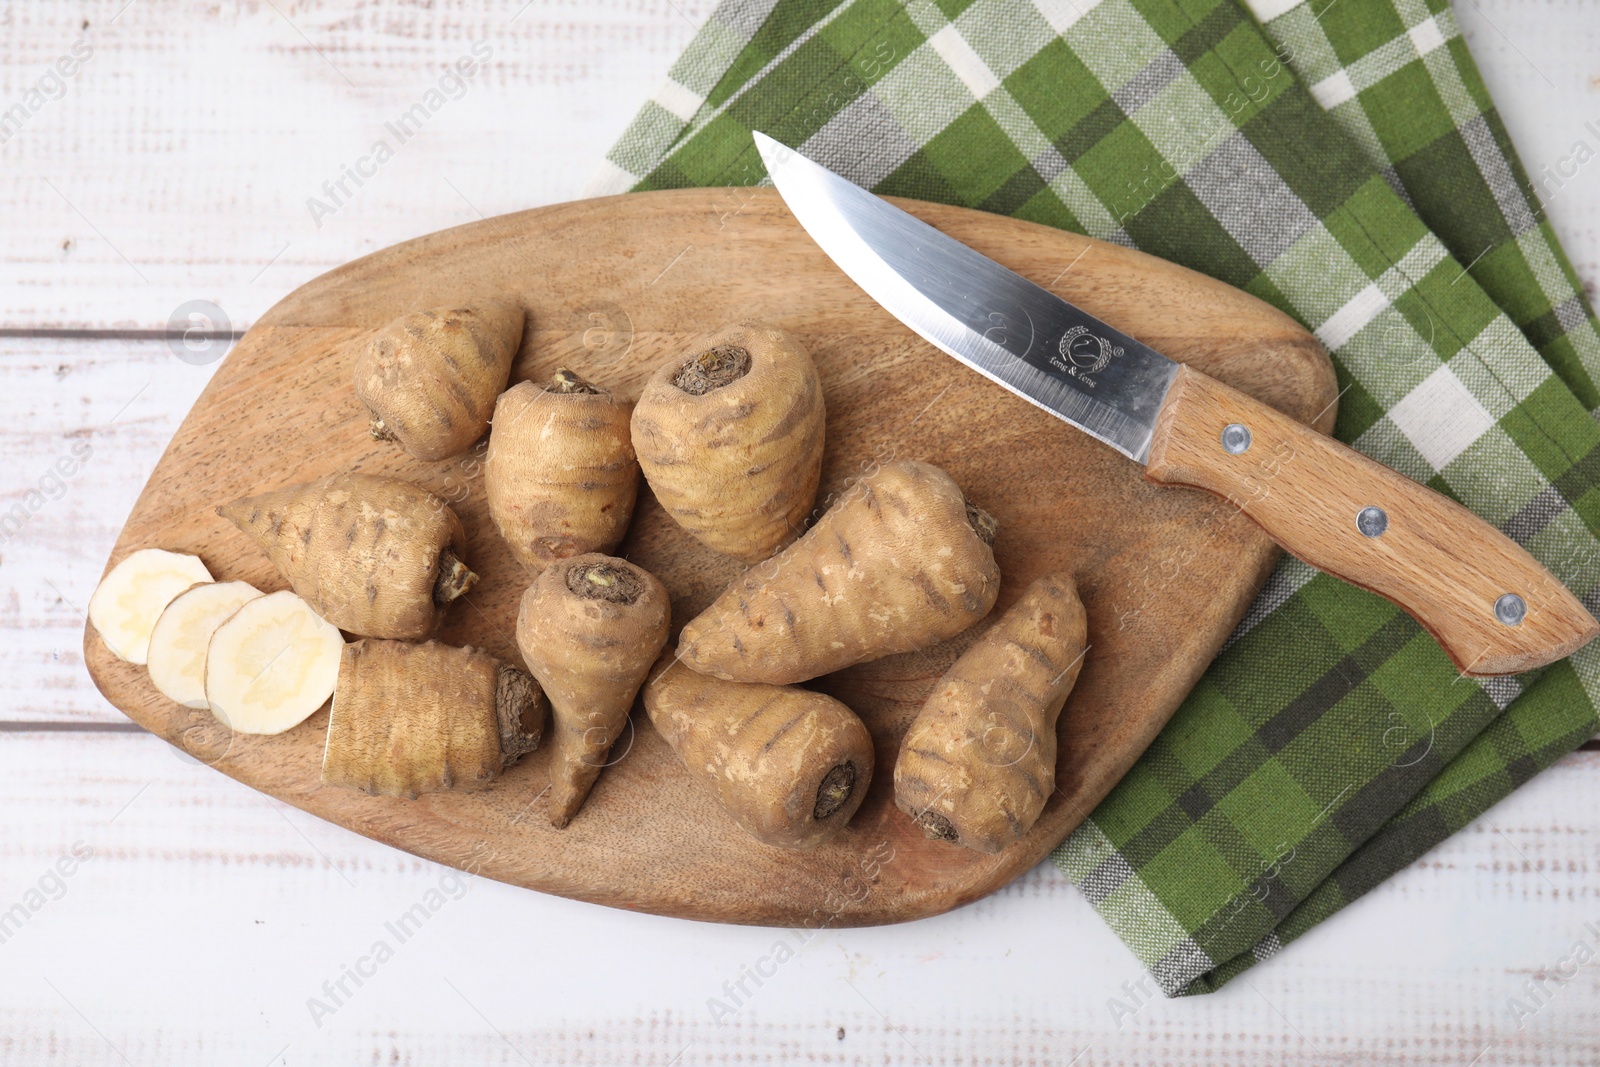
x=1331, y=742
x=1396, y=76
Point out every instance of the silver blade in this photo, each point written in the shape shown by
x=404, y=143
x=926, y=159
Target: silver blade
x=995, y=321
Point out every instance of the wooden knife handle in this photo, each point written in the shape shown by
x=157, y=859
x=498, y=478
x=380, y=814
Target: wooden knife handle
x=1491, y=606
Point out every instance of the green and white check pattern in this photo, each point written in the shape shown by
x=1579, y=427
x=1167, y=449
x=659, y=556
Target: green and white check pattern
x=1360, y=58
x=1331, y=742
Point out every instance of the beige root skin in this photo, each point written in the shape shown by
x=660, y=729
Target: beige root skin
x=895, y=565
x=375, y=556
x=429, y=379
x=730, y=439
x=791, y=766
x=589, y=629
x=560, y=474
x=979, y=761
x=410, y=719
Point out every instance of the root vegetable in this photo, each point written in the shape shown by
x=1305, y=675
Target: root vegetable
x=429, y=379
x=730, y=439
x=134, y=593
x=791, y=766
x=410, y=719
x=589, y=629
x=271, y=665
x=901, y=562
x=979, y=761
x=560, y=475
x=179, y=641
x=376, y=556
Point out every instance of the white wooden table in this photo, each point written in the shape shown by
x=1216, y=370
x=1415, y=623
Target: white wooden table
x=204, y=919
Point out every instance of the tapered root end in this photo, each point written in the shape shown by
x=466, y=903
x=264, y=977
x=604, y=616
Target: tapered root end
x=455, y=579
x=505, y=320
x=712, y=369
x=936, y=826
x=566, y=797
x=519, y=707
x=261, y=516
x=568, y=791
x=378, y=430
x=985, y=525
x=836, y=787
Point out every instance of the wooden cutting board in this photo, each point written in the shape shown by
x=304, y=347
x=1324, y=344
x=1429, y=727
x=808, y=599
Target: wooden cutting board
x=615, y=286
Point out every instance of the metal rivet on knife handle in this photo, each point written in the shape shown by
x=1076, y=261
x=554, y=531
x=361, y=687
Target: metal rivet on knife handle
x=1510, y=609
x=1235, y=438
x=1372, y=521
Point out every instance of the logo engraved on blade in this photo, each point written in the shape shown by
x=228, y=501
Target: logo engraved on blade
x=1084, y=353
x=1001, y=332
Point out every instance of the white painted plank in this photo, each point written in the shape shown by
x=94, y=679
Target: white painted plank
x=180, y=160
x=209, y=915
x=86, y=423
x=1540, y=65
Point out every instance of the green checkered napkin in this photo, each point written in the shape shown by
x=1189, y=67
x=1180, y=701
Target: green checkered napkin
x=1331, y=743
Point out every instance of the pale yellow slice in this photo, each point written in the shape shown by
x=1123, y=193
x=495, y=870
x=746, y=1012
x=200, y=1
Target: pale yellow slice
x=177, y=660
x=130, y=599
x=271, y=665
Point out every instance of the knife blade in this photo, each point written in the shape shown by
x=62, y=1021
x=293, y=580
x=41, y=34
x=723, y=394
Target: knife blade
x=1492, y=607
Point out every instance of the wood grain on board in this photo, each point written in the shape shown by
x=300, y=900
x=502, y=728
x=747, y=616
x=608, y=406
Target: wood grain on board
x=615, y=286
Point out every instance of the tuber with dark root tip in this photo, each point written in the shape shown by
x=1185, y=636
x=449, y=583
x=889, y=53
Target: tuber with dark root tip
x=589, y=628
x=730, y=439
x=791, y=766
x=429, y=379
x=409, y=719
x=901, y=562
x=979, y=760
x=560, y=474
x=375, y=556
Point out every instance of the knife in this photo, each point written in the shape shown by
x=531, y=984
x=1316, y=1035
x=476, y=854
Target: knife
x=1492, y=607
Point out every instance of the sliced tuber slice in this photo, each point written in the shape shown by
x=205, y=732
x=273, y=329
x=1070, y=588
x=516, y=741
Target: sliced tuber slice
x=791, y=766
x=901, y=562
x=979, y=760
x=429, y=379
x=271, y=665
x=182, y=635
x=134, y=593
x=589, y=629
x=412, y=719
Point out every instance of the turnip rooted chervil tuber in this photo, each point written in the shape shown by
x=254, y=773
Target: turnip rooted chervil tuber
x=730, y=439
x=979, y=761
x=409, y=719
x=901, y=562
x=589, y=628
x=373, y=555
x=791, y=766
x=560, y=474
x=429, y=379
